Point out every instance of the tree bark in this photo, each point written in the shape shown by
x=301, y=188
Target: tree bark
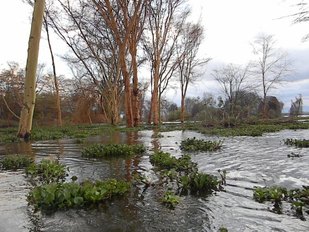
x=25, y=123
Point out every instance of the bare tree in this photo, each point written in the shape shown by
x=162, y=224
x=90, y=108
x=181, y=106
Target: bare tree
x=271, y=65
x=232, y=79
x=123, y=19
x=25, y=123
x=188, y=47
x=302, y=14
x=165, y=20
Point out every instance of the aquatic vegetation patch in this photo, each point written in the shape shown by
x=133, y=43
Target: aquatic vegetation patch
x=298, y=198
x=55, y=196
x=297, y=142
x=112, y=150
x=47, y=171
x=193, y=144
x=14, y=162
x=182, y=176
x=170, y=199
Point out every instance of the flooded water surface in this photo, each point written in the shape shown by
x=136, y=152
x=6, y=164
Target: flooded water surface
x=249, y=162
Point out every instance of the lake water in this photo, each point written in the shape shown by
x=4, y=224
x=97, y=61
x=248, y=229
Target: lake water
x=249, y=162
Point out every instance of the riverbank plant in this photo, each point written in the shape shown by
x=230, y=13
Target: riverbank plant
x=14, y=162
x=53, y=196
x=47, y=171
x=112, y=150
x=297, y=142
x=193, y=144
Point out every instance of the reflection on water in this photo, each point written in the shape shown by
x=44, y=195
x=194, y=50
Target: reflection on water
x=249, y=162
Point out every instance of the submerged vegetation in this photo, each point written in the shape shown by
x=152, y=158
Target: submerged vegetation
x=193, y=144
x=298, y=198
x=297, y=142
x=14, y=162
x=55, y=196
x=112, y=150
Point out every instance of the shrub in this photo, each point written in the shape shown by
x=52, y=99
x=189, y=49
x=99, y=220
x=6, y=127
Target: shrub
x=193, y=144
x=112, y=150
x=14, y=162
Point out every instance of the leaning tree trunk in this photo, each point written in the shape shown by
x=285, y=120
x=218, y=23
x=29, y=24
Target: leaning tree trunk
x=25, y=123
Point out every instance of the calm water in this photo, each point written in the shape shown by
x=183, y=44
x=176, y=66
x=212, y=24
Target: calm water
x=249, y=162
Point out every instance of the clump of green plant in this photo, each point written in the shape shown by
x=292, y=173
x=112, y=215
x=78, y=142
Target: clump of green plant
x=164, y=160
x=14, y=162
x=297, y=197
x=47, y=171
x=55, y=196
x=274, y=194
x=193, y=144
x=181, y=174
x=200, y=183
x=170, y=200
x=112, y=150
x=297, y=142
x=222, y=229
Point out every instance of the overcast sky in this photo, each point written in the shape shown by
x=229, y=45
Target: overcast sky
x=230, y=27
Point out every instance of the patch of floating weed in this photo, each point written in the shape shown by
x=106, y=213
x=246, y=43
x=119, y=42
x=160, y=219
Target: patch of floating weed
x=170, y=200
x=112, y=150
x=298, y=198
x=47, y=171
x=55, y=196
x=182, y=176
x=14, y=162
x=297, y=142
x=193, y=144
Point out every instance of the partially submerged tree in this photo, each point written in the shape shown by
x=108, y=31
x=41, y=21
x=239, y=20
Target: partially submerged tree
x=26, y=116
x=270, y=67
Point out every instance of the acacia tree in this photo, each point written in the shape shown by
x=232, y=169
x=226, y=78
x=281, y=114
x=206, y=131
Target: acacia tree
x=123, y=18
x=188, y=47
x=165, y=20
x=94, y=51
x=26, y=116
x=233, y=79
x=270, y=67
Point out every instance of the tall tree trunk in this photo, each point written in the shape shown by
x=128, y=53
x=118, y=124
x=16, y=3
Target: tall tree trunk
x=58, y=103
x=26, y=116
x=182, y=109
x=135, y=96
x=155, y=92
x=127, y=87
